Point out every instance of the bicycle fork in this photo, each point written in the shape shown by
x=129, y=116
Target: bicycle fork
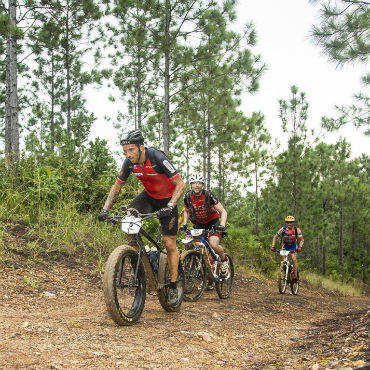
x=198, y=267
x=286, y=264
x=134, y=283
x=208, y=263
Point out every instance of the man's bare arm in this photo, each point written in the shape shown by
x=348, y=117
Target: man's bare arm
x=186, y=216
x=223, y=214
x=179, y=190
x=113, y=195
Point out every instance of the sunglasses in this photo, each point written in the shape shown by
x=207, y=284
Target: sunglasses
x=289, y=222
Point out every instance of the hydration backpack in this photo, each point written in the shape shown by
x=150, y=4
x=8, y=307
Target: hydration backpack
x=287, y=238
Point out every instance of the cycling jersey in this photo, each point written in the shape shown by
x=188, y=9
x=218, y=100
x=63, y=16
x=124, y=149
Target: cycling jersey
x=203, y=214
x=156, y=176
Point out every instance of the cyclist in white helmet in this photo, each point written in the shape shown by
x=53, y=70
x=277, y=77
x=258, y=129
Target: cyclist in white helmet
x=206, y=212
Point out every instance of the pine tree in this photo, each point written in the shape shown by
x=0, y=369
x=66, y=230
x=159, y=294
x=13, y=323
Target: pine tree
x=11, y=100
x=135, y=59
x=57, y=44
x=293, y=115
x=343, y=33
x=255, y=155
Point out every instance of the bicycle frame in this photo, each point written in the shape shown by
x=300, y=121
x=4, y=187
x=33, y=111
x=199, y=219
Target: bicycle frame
x=206, y=249
x=289, y=267
x=136, y=224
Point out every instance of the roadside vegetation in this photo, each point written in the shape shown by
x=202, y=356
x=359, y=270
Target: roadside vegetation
x=48, y=215
x=182, y=73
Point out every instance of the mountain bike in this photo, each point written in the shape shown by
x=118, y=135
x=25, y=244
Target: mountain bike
x=201, y=264
x=130, y=267
x=286, y=273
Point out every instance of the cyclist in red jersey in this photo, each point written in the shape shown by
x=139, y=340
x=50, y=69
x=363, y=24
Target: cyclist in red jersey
x=206, y=212
x=163, y=187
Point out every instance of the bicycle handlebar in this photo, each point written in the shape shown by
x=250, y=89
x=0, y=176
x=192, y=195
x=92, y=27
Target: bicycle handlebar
x=206, y=232
x=286, y=250
x=143, y=216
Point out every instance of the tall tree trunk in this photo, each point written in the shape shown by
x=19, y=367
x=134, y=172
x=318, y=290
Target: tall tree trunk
x=365, y=255
x=204, y=147
x=208, y=148
x=353, y=241
x=220, y=172
x=166, y=120
x=68, y=73
x=318, y=249
x=257, y=200
x=187, y=159
x=11, y=101
x=324, y=254
x=256, y=186
x=139, y=94
x=294, y=190
x=341, y=245
x=52, y=114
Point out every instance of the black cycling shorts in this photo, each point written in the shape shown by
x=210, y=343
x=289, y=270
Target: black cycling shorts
x=144, y=203
x=208, y=226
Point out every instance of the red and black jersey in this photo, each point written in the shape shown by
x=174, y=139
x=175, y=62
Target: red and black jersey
x=204, y=213
x=156, y=176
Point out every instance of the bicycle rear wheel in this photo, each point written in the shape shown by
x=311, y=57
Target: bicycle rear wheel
x=164, y=279
x=282, y=281
x=195, y=275
x=294, y=285
x=224, y=284
x=124, y=295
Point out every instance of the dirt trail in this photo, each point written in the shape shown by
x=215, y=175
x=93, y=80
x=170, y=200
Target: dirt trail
x=54, y=317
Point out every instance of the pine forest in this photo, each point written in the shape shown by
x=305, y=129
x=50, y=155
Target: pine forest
x=179, y=72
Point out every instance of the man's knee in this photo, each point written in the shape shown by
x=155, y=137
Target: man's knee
x=170, y=243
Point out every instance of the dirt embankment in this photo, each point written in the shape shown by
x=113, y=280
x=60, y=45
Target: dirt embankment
x=53, y=317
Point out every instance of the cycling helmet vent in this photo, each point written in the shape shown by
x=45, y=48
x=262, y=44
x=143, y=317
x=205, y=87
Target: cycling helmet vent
x=133, y=137
x=196, y=177
x=289, y=218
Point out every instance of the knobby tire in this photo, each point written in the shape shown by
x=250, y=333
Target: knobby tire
x=195, y=275
x=282, y=281
x=294, y=285
x=124, y=297
x=224, y=284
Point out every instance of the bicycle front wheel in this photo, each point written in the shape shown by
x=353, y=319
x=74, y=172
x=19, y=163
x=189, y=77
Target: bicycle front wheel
x=124, y=294
x=224, y=284
x=195, y=275
x=282, y=280
x=294, y=285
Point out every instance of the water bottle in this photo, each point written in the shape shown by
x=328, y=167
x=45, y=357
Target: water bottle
x=212, y=264
x=153, y=258
x=214, y=269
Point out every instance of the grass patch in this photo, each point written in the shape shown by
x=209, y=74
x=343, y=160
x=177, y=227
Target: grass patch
x=59, y=234
x=354, y=288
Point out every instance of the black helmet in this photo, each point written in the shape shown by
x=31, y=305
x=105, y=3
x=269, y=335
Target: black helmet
x=133, y=137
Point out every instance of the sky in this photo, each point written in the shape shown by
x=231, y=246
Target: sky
x=283, y=40
x=292, y=59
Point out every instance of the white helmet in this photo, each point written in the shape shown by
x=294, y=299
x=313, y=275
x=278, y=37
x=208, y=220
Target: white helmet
x=196, y=178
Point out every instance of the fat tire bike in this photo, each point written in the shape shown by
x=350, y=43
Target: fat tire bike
x=202, y=265
x=132, y=269
x=286, y=274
